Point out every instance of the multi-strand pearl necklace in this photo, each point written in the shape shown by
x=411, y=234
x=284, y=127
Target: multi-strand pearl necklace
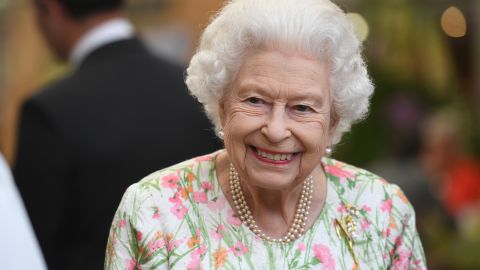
x=301, y=213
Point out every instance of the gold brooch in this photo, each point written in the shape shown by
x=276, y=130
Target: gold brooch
x=346, y=227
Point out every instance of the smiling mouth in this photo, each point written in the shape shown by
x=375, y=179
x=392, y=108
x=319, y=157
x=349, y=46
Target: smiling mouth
x=274, y=157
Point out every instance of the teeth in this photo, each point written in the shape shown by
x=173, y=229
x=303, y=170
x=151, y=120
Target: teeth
x=276, y=157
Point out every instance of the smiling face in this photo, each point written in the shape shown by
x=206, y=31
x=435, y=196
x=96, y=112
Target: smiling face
x=276, y=117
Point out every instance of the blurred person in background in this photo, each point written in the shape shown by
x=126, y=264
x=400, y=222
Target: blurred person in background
x=19, y=248
x=454, y=177
x=119, y=114
x=403, y=117
x=403, y=114
x=282, y=81
x=449, y=168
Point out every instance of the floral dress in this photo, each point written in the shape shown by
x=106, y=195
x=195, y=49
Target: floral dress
x=179, y=218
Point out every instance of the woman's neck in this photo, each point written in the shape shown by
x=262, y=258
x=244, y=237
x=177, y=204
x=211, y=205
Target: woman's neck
x=273, y=210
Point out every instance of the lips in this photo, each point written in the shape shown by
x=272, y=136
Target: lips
x=273, y=157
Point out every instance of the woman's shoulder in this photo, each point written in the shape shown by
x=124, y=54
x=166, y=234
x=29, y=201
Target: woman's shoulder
x=171, y=185
x=194, y=166
x=357, y=185
x=383, y=219
x=180, y=176
x=341, y=170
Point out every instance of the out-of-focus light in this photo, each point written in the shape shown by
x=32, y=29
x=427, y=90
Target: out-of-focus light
x=454, y=23
x=3, y=3
x=360, y=25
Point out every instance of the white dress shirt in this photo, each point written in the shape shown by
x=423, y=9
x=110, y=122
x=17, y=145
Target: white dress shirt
x=19, y=249
x=107, y=32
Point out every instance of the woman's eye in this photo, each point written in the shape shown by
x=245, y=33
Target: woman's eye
x=302, y=108
x=254, y=100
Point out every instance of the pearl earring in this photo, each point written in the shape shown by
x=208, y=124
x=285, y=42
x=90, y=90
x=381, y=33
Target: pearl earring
x=220, y=133
x=328, y=150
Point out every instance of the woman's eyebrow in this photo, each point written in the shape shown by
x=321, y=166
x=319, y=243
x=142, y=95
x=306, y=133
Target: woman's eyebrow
x=316, y=99
x=261, y=89
x=255, y=87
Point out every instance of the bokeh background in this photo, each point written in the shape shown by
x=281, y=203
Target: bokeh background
x=424, y=57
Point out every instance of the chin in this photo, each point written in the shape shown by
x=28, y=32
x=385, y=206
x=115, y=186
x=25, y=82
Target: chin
x=271, y=180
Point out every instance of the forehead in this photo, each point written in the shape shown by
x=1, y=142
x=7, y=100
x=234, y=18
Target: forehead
x=283, y=72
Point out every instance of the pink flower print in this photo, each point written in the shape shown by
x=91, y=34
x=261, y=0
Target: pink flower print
x=392, y=252
x=200, y=197
x=338, y=172
x=175, y=199
x=342, y=208
x=366, y=208
x=154, y=245
x=217, y=233
x=156, y=213
x=386, y=233
x=402, y=260
x=139, y=236
x=323, y=255
x=398, y=241
x=193, y=263
x=132, y=264
x=179, y=210
x=365, y=224
x=233, y=219
x=170, y=181
x=404, y=253
x=122, y=223
x=386, y=205
x=301, y=247
x=216, y=204
x=202, y=249
x=206, y=185
x=172, y=244
x=239, y=249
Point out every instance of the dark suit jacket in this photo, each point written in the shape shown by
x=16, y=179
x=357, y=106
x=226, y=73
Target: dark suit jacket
x=82, y=141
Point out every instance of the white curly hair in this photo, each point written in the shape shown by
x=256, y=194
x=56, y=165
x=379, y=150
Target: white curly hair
x=316, y=27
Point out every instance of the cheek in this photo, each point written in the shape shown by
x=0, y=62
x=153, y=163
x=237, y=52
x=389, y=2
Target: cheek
x=314, y=136
x=239, y=124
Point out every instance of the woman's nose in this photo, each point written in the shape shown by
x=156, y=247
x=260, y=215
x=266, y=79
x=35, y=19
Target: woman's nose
x=276, y=127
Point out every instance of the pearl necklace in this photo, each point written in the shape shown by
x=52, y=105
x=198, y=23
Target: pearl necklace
x=301, y=213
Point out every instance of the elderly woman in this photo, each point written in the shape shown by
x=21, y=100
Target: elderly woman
x=282, y=81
